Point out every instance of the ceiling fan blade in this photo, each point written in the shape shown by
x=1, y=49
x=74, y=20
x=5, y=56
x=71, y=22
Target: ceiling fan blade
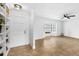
x=72, y=16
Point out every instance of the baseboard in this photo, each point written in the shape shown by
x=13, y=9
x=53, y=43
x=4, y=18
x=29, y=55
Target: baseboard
x=75, y=37
x=13, y=46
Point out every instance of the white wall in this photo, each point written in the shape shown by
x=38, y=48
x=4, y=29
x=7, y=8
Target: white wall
x=39, y=30
x=31, y=29
x=71, y=28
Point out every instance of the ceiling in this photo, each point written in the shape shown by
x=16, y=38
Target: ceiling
x=53, y=10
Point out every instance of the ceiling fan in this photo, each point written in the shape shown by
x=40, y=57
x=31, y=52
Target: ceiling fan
x=68, y=16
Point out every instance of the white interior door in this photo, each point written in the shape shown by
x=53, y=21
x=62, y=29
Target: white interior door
x=19, y=29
